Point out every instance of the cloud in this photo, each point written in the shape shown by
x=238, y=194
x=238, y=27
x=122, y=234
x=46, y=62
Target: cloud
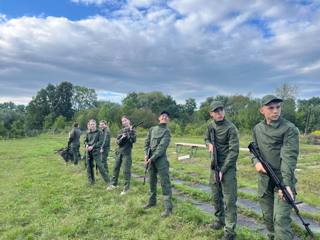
x=182, y=48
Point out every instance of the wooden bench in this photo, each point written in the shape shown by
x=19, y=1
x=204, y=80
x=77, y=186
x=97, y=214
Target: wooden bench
x=193, y=147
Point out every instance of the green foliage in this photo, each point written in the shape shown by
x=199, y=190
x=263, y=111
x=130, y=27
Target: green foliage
x=83, y=98
x=60, y=123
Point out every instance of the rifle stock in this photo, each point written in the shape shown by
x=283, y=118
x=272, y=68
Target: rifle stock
x=279, y=184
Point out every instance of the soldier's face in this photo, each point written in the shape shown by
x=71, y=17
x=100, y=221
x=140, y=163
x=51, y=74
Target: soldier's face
x=92, y=126
x=125, y=122
x=102, y=125
x=218, y=114
x=164, y=118
x=271, y=112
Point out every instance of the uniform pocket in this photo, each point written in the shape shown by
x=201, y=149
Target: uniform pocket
x=263, y=182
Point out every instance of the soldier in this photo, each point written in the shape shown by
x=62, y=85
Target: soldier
x=227, y=147
x=93, y=142
x=105, y=147
x=278, y=143
x=125, y=139
x=74, y=142
x=157, y=141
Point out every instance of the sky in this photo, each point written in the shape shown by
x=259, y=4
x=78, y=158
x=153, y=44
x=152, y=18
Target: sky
x=183, y=48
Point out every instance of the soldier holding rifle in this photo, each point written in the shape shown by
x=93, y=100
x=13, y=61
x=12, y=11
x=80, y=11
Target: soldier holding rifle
x=222, y=140
x=278, y=143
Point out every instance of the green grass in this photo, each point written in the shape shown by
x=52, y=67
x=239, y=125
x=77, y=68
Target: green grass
x=43, y=198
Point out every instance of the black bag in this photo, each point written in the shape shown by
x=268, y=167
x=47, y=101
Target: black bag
x=65, y=153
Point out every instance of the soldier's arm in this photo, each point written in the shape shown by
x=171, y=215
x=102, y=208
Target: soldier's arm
x=254, y=139
x=147, y=143
x=289, y=155
x=232, y=156
x=108, y=139
x=207, y=138
x=162, y=146
x=99, y=140
x=119, y=136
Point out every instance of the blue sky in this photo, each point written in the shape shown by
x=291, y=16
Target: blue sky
x=191, y=48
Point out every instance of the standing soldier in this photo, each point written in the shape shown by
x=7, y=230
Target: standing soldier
x=157, y=142
x=93, y=144
x=125, y=139
x=227, y=147
x=278, y=142
x=74, y=142
x=105, y=147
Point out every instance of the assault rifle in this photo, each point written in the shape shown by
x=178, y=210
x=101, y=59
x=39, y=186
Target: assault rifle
x=123, y=138
x=146, y=167
x=279, y=184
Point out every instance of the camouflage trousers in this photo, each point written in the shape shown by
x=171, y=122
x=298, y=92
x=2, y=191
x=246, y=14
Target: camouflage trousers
x=225, y=199
x=275, y=211
x=126, y=159
x=96, y=156
x=75, y=153
x=161, y=168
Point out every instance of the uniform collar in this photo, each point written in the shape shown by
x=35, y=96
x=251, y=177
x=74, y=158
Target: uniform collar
x=162, y=124
x=274, y=124
x=219, y=123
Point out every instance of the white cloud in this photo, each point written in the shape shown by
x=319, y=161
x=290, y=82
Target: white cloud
x=188, y=49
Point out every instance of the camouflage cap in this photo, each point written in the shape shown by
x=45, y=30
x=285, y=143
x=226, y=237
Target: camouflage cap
x=165, y=112
x=215, y=105
x=269, y=98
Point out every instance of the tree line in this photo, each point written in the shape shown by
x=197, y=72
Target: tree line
x=57, y=106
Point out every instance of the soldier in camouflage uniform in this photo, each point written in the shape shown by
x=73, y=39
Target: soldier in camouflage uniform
x=74, y=142
x=105, y=146
x=93, y=142
x=278, y=142
x=125, y=139
x=227, y=147
x=157, y=141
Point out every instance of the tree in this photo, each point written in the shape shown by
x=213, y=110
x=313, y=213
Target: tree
x=83, y=98
x=287, y=91
x=60, y=122
x=63, y=101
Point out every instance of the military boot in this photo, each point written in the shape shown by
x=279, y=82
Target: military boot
x=166, y=213
x=216, y=225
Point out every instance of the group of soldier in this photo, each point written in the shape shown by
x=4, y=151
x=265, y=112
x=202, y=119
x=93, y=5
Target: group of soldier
x=276, y=138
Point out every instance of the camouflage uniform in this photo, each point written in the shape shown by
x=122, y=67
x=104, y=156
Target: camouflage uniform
x=278, y=144
x=158, y=140
x=123, y=154
x=95, y=139
x=227, y=146
x=74, y=144
x=105, y=146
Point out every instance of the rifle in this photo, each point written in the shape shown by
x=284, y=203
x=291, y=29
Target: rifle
x=279, y=184
x=122, y=139
x=146, y=168
x=214, y=161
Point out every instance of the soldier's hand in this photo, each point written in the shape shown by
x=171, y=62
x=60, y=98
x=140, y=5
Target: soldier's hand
x=147, y=161
x=101, y=150
x=281, y=196
x=89, y=148
x=260, y=168
x=210, y=147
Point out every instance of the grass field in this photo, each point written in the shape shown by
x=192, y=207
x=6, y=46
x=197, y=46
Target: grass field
x=43, y=198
